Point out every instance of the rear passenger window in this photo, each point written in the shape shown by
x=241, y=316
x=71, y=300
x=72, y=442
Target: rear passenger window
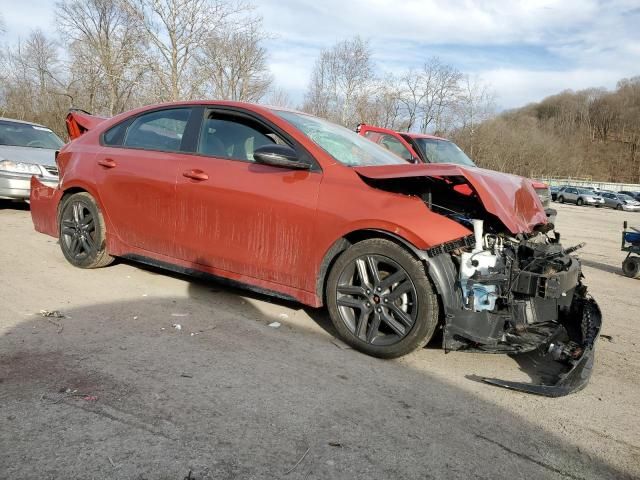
x=115, y=135
x=161, y=130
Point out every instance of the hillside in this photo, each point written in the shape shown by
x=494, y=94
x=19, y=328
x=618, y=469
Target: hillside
x=591, y=133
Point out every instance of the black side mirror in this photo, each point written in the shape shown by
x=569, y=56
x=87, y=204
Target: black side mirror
x=279, y=156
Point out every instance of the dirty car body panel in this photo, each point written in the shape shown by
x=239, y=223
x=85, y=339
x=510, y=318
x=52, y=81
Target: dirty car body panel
x=203, y=203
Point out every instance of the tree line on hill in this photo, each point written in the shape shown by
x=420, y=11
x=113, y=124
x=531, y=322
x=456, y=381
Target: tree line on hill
x=590, y=134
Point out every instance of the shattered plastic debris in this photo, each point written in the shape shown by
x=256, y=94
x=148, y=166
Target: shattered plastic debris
x=90, y=398
x=274, y=324
x=179, y=314
x=177, y=326
x=135, y=317
x=52, y=314
x=283, y=315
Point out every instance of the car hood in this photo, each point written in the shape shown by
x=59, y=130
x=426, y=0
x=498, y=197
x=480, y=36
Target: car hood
x=510, y=198
x=41, y=156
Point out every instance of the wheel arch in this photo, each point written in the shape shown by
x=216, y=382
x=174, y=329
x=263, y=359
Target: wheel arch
x=344, y=242
x=74, y=188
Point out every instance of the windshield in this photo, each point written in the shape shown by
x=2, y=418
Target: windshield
x=443, y=151
x=345, y=146
x=27, y=135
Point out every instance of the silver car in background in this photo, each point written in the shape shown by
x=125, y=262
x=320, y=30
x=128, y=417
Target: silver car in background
x=579, y=196
x=620, y=201
x=26, y=149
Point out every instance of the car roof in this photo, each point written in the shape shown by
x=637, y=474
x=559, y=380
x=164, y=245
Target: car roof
x=423, y=135
x=4, y=119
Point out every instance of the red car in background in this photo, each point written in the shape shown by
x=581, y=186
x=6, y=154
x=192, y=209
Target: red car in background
x=294, y=206
x=420, y=147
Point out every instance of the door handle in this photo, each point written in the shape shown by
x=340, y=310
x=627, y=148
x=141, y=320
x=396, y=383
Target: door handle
x=196, y=175
x=107, y=163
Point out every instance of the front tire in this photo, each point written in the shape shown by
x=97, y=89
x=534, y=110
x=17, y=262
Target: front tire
x=380, y=299
x=82, y=232
x=579, y=202
x=561, y=199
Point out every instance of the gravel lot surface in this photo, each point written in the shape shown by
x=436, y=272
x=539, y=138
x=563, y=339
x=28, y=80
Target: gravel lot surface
x=115, y=390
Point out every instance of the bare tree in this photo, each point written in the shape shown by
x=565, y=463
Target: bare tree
x=278, y=97
x=177, y=30
x=341, y=77
x=441, y=87
x=235, y=63
x=475, y=104
x=106, y=42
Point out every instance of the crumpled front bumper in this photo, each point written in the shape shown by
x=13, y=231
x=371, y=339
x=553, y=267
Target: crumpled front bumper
x=562, y=317
x=578, y=371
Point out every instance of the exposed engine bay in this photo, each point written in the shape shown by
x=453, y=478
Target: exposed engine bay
x=505, y=292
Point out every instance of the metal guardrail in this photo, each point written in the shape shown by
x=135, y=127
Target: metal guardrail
x=582, y=182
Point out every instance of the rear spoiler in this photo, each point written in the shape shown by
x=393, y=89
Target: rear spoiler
x=80, y=121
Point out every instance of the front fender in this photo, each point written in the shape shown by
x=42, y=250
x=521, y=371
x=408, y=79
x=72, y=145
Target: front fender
x=44, y=202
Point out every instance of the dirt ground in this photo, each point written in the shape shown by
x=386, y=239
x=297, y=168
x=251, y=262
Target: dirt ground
x=114, y=390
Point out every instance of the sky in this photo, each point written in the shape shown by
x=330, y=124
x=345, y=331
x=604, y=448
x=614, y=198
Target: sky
x=525, y=50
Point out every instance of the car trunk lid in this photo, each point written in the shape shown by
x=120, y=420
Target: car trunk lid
x=78, y=122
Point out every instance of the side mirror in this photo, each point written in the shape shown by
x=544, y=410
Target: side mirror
x=279, y=156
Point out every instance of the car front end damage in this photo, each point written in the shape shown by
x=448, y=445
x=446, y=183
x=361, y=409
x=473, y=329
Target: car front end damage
x=509, y=287
x=515, y=296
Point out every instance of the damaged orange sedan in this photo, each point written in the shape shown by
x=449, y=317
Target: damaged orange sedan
x=292, y=205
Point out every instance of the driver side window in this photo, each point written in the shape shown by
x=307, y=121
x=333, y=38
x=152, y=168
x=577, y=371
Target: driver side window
x=233, y=137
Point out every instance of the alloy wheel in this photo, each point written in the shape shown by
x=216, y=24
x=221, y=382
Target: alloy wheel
x=377, y=299
x=78, y=231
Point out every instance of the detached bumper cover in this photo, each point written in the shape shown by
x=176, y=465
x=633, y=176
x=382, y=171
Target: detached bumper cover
x=44, y=202
x=576, y=377
x=552, y=319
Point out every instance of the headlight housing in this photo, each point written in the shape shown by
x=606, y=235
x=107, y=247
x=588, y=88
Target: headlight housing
x=19, y=167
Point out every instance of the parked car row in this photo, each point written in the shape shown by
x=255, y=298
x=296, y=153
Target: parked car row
x=627, y=201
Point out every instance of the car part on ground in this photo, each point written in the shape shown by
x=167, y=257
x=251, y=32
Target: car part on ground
x=631, y=245
x=264, y=198
x=26, y=149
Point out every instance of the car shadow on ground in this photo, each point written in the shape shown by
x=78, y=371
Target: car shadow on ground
x=603, y=267
x=118, y=390
x=13, y=205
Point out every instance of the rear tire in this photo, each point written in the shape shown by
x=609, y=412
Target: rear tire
x=82, y=232
x=631, y=267
x=380, y=299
